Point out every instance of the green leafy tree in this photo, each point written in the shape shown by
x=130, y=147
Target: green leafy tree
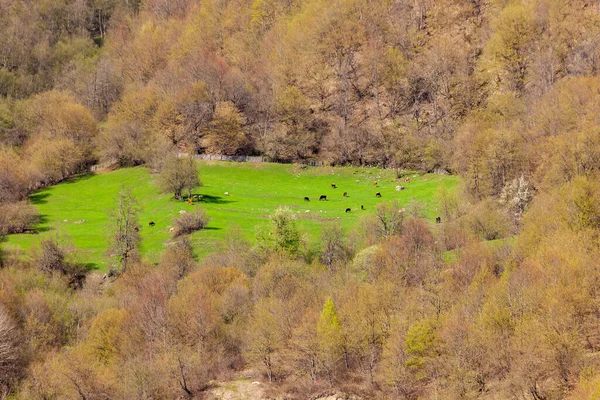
x=329, y=334
x=421, y=341
x=282, y=233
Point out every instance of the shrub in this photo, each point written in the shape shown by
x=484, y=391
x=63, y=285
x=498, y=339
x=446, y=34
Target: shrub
x=52, y=257
x=17, y=217
x=190, y=222
x=488, y=222
x=15, y=177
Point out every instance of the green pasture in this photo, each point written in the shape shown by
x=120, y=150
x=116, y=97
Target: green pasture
x=76, y=210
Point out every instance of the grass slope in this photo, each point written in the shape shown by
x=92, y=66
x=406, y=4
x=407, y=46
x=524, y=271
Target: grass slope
x=77, y=209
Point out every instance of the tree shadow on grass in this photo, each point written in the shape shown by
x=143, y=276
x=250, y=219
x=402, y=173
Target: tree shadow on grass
x=91, y=267
x=207, y=198
x=40, y=225
x=36, y=227
x=210, y=228
x=39, y=198
x=79, y=178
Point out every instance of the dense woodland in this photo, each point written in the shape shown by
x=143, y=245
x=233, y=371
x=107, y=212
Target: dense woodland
x=501, y=300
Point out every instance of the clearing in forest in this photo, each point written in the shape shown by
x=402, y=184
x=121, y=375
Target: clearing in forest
x=76, y=210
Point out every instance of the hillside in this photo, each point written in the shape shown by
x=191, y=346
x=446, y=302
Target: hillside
x=480, y=284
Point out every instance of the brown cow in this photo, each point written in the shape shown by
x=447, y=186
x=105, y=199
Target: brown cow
x=345, y=194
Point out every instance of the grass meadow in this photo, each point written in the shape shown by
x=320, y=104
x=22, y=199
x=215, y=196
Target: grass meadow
x=76, y=210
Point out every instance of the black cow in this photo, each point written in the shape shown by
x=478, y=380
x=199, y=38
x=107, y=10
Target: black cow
x=333, y=186
x=438, y=220
x=348, y=210
x=377, y=194
x=306, y=199
x=323, y=197
x=151, y=223
x=362, y=207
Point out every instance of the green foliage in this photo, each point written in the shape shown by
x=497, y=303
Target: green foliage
x=329, y=324
x=421, y=343
x=104, y=338
x=330, y=338
x=282, y=233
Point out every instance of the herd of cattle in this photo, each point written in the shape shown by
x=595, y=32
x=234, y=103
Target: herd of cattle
x=362, y=207
x=323, y=197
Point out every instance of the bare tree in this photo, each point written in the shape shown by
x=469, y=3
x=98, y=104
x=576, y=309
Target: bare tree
x=11, y=360
x=178, y=174
x=124, y=234
x=333, y=248
x=389, y=218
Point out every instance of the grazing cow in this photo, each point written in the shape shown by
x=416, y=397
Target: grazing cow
x=171, y=230
x=151, y=223
x=226, y=193
x=407, y=180
x=333, y=186
x=399, y=187
x=306, y=199
x=362, y=207
x=190, y=200
x=323, y=197
x=374, y=183
x=345, y=194
x=438, y=220
x=377, y=194
x=348, y=210
x=200, y=197
x=136, y=228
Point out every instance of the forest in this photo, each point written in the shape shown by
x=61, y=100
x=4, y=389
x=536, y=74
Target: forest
x=499, y=301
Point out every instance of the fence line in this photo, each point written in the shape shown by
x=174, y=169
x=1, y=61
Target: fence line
x=105, y=164
x=253, y=159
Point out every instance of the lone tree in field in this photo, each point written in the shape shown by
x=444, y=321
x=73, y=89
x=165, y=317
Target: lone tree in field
x=123, y=228
x=281, y=234
x=178, y=174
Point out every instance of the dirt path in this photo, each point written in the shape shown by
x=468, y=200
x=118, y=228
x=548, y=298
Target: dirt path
x=237, y=390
